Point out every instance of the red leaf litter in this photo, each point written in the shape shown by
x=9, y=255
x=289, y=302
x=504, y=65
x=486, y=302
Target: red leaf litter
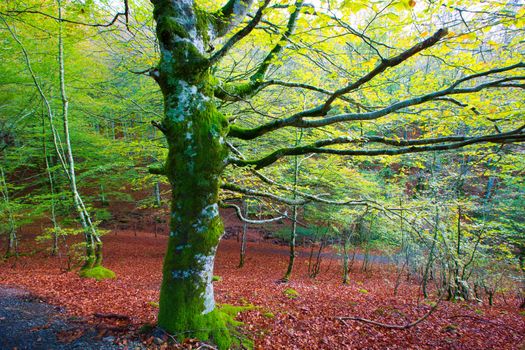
x=308, y=321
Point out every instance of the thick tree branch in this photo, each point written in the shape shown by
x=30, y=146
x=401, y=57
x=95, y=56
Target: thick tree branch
x=241, y=90
x=457, y=103
x=402, y=146
x=297, y=120
x=159, y=126
x=157, y=170
x=239, y=35
x=277, y=49
x=228, y=92
x=306, y=196
x=387, y=63
x=230, y=15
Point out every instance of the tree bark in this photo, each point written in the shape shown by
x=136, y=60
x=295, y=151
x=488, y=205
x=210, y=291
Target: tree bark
x=195, y=162
x=194, y=130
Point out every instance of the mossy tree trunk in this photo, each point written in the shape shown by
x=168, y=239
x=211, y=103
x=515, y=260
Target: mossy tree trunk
x=194, y=130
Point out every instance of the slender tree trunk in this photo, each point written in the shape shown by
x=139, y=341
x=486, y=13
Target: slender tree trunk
x=293, y=233
x=12, y=240
x=318, y=259
x=244, y=234
x=156, y=194
x=56, y=227
x=430, y=260
x=103, y=200
x=345, y=258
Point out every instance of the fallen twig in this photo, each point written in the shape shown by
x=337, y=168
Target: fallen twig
x=113, y=316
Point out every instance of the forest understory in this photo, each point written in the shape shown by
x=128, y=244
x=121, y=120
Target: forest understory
x=300, y=314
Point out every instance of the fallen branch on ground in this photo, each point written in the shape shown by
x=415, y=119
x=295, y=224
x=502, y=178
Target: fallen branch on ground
x=391, y=326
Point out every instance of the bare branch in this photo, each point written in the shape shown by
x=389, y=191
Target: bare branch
x=124, y=14
x=250, y=192
x=306, y=196
x=249, y=221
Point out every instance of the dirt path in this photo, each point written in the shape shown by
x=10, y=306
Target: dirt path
x=27, y=322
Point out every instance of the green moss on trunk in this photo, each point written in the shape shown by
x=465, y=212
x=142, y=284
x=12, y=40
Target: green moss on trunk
x=92, y=267
x=194, y=131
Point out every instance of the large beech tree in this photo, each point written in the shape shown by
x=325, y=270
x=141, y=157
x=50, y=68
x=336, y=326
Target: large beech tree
x=196, y=133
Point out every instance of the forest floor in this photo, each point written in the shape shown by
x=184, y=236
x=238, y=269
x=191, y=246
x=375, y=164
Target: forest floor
x=27, y=322
x=116, y=309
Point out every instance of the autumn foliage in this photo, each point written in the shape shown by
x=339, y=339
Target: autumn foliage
x=275, y=318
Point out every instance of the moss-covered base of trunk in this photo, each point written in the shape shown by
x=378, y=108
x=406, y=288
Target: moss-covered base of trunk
x=218, y=327
x=98, y=272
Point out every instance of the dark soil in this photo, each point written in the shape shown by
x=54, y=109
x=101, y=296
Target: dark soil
x=27, y=322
